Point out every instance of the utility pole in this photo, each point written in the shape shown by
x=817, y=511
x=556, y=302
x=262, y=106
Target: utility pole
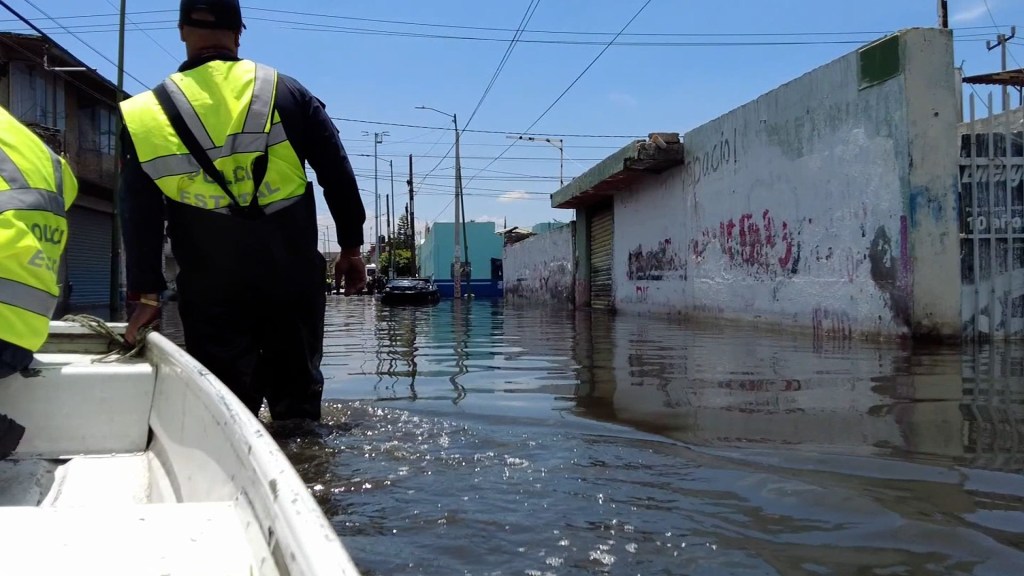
x=412, y=224
x=378, y=138
x=456, y=260
x=1001, y=41
x=457, y=268
x=391, y=231
x=557, y=143
x=943, y=14
x=115, y=227
x=391, y=254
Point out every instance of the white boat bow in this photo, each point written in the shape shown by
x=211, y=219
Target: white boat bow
x=149, y=466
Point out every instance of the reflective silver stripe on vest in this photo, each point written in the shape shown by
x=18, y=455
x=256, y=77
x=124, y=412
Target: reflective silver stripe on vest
x=268, y=209
x=58, y=174
x=27, y=298
x=281, y=204
x=21, y=196
x=262, y=100
x=181, y=164
x=195, y=125
x=10, y=172
x=31, y=199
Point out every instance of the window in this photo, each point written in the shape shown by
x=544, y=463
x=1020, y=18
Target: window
x=97, y=129
x=37, y=96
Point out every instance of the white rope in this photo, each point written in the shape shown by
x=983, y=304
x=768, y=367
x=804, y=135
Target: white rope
x=124, y=349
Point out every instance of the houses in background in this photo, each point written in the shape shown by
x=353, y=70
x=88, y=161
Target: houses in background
x=484, y=272
x=75, y=113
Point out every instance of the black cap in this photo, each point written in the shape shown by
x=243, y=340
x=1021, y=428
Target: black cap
x=227, y=14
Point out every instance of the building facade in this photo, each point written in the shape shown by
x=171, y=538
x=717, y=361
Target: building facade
x=829, y=204
x=75, y=113
x=482, y=244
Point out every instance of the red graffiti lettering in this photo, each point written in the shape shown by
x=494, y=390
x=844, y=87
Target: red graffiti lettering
x=758, y=244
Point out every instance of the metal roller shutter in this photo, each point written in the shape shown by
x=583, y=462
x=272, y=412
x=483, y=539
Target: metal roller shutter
x=602, y=227
x=88, y=256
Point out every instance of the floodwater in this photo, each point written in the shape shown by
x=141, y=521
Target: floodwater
x=487, y=439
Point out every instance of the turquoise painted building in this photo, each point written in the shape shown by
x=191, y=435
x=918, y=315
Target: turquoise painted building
x=485, y=247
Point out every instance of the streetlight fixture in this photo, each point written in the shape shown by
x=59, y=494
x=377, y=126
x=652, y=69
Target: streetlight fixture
x=557, y=143
x=456, y=259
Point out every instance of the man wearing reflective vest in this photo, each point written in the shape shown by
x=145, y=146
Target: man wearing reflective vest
x=36, y=189
x=219, y=149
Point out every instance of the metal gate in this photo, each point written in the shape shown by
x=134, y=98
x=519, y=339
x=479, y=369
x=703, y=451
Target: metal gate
x=88, y=257
x=992, y=224
x=602, y=232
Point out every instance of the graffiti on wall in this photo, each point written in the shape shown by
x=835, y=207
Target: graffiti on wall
x=891, y=272
x=656, y=264
x=543, y=281
x=723, y=153
x=831, y=324
x=758, y=245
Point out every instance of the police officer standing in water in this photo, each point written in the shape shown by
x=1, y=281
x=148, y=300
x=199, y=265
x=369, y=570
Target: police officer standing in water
x=219, y=149
x=36, y=189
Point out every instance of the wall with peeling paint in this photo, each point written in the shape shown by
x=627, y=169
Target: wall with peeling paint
x=540, y=268
x=810, y=206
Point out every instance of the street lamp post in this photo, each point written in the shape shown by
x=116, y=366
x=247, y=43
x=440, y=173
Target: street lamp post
x=456, y=259
x=557, y=143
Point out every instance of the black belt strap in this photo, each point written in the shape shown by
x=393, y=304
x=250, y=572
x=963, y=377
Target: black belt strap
x=163, y=97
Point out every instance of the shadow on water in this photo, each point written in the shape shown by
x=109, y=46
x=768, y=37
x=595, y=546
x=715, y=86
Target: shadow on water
x=490, y=439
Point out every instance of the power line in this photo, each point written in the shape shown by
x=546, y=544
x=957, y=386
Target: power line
x=501, y=132
x=527, y=31
x=506, y=158
x=525, y=21
x=39, y=60
x=148, y=35
x=999, y=31
x=86, y=44
x=569, y=87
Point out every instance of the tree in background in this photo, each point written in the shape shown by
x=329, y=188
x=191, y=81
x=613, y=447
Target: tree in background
x=403, y=234
x=403, y=263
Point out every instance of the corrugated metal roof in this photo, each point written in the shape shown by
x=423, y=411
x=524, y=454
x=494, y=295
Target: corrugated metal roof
x=1005, y=78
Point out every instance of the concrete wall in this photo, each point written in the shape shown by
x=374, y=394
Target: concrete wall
x=810, y=206
x=540, y=268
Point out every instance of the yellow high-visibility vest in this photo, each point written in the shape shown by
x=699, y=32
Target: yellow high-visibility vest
x=229, y=108
x=36, y=188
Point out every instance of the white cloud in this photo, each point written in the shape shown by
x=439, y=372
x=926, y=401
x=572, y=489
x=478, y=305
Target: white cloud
x=970, y=13
x=485, y=218
x=513, y=196
x=622, y=99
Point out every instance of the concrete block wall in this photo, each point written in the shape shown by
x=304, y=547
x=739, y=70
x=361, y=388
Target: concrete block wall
x=828, y=204
x=541, y=268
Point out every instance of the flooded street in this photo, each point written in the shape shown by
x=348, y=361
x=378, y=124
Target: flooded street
x=485, y=439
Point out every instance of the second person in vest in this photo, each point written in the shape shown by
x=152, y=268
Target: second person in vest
x=219, y=149
x=37, y=188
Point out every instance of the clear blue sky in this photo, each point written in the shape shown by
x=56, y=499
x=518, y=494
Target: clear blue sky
x=349, y=55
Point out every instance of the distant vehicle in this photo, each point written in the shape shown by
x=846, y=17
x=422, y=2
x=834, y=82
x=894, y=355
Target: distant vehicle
x=410, y=292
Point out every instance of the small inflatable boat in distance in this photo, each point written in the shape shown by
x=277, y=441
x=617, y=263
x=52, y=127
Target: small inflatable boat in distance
x=410, y=292
x=148, y=466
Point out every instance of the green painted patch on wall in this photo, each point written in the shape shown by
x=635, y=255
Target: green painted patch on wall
x=879, y=61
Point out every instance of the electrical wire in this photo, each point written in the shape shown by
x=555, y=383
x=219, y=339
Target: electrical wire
x=569, y=87
x=86, y=44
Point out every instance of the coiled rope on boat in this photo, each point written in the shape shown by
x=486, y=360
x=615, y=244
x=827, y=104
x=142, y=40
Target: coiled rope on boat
x=124, y=350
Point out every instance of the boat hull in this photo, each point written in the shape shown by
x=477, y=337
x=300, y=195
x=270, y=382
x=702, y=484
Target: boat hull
x=159, y=439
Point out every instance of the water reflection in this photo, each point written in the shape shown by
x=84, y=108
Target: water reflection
x=712, y=388
x=486, y=439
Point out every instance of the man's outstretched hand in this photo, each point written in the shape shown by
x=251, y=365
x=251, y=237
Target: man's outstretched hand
x=352, y=268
